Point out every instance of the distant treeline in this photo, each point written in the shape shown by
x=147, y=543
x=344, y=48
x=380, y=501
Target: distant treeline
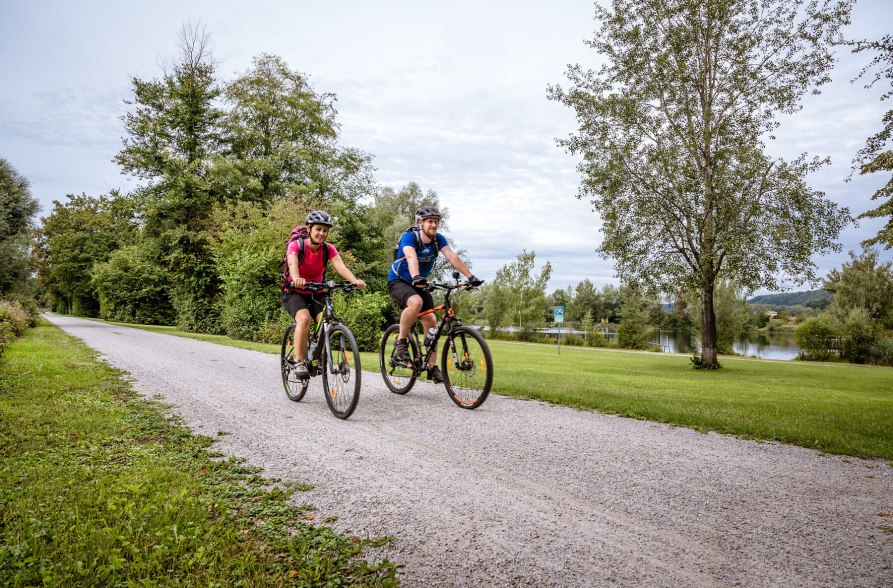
x=811, y=299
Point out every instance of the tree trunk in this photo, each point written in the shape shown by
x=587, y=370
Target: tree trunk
x=708, y=329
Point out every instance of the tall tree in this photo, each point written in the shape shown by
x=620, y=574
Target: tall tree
x=173, y=134
x=863, y=284
x=876, y=156
x=74, y=237
x=17, y=210
x=518, y=294
x=281, y=139
x=671, y=132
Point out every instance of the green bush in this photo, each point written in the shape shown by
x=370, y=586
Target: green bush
x=12, y=314
x=32, y=310
x=251, y=295
x=133, y=288
x=860, y=336
x=13, y=322
x=882, y=351
x=364, y=315
x=818, y=338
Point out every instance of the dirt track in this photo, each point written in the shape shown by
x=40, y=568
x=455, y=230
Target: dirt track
x=519, y=493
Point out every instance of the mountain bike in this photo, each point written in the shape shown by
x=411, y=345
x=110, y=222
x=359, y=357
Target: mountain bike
x=332, y=353
x=465, y=360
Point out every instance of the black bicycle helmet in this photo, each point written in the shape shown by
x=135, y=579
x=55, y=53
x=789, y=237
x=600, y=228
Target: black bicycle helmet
x=427, y=212
x=319, y=217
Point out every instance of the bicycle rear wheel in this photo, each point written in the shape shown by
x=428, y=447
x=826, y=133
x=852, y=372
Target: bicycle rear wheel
x=401, y=377
x=295, y=387
x=467, y=367
x=341, y=380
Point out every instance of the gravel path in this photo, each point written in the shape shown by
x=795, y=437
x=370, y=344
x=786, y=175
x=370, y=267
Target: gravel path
x=518, y=493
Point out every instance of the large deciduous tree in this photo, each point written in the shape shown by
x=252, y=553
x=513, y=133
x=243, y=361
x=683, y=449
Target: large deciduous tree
x=672, y=130
x=281, y=139
x=173, y=135
x=863, y=284
x=876, y=156
x=74, y=237
x=17, y=210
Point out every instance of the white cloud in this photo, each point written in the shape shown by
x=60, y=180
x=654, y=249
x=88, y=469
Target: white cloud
x=449, y=95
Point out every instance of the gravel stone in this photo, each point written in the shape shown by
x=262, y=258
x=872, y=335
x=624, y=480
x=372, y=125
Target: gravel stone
x=520, y=493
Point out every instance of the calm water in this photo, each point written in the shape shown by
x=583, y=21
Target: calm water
x=762, y=345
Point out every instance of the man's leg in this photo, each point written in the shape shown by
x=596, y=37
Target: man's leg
x=409, y=315
x=428, y=321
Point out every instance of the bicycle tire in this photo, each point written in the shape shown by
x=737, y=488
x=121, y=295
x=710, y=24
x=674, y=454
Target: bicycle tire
x=469, y=377
x=295, y=387
x=399, y=380
x=342, y=389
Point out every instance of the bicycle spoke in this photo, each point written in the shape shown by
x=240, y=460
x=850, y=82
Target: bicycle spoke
x=398, y=378
x=467, y=366
x=341, y=379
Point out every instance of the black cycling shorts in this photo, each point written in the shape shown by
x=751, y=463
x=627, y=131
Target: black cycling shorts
x=293, y=302
x=402, y=291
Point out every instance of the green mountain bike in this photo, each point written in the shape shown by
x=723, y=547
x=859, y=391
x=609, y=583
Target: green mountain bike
x=332, y=353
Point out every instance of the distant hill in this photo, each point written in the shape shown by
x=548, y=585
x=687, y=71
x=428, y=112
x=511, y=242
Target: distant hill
x=813, y=298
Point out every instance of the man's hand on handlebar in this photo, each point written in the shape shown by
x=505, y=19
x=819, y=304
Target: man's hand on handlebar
x=298, y=282
x=419, y=282
x=474, y=282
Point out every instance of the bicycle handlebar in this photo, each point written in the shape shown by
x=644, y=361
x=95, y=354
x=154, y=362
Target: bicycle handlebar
x=455, y=286
x=330, y=286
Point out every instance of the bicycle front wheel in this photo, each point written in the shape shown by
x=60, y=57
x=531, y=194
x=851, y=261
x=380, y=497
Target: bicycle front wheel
x=467, y=367
x=398, y=377
x=341, y=379
x=295, y=387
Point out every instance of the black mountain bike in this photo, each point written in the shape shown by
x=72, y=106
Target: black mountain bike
x=465, y=359
x=332, y=353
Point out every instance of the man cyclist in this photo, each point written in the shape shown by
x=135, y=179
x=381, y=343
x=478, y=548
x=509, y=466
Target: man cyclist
x=416, y=254
x=300, y=302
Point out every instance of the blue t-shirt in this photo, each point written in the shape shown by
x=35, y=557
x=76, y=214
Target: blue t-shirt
x=424, y=251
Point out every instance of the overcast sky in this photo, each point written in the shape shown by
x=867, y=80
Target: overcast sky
x=451, y=95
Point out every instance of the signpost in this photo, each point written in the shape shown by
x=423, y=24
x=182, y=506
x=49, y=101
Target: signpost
x=559, y=318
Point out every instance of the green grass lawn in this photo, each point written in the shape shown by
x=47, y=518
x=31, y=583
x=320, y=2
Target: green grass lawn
x=98, y=487
x=837, y=407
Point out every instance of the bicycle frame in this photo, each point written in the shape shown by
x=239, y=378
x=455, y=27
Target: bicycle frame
x=323, y=325
x=448, y=321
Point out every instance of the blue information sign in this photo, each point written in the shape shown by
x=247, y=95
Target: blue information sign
x=559, y=314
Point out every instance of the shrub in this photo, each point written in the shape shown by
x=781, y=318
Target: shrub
x=818, y=338
x=860, y=335
x=13, y=322
x=364, y=315
x=132, y=288
x=882, y=351
x=12, y=314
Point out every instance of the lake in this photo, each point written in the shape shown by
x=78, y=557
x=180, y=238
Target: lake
x=762, y=345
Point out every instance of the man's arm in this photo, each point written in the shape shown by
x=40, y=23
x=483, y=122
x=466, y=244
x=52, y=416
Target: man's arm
x=456, y=261
x=412, y=260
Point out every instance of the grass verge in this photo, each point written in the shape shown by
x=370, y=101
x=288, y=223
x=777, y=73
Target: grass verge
x=101, y=487
x=836, y=408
